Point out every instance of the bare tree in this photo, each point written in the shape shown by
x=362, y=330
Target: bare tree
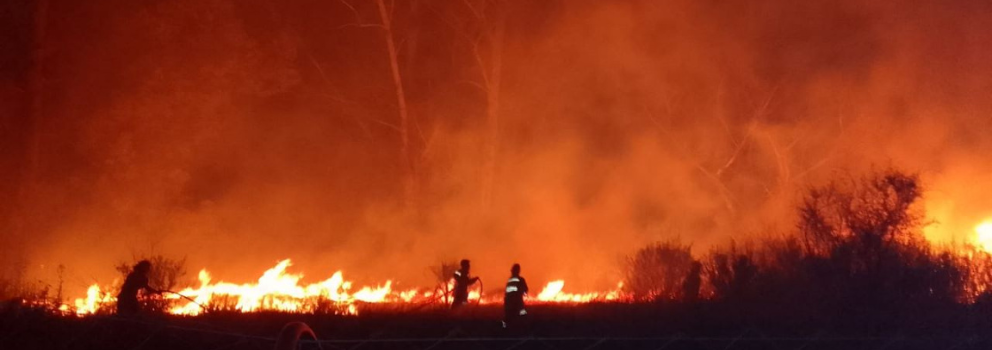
x=482, y=26
x=868, y=215
x=491, y=71
x=404, y=127
x=738, y=143
x=407, y=165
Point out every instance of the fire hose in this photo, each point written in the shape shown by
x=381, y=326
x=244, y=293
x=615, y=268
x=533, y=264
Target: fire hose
x=292, y=333
x=479, y=301
x=187, y=298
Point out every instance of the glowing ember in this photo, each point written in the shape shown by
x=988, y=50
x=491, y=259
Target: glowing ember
x=983, y=236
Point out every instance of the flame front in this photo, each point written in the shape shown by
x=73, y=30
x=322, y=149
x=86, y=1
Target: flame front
x=553, y=293
x=983, y=235
x=279, y=290
x=93, y=300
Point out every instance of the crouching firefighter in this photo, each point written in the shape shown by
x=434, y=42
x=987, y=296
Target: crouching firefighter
x=462, y=281
x=513, y=300
x=137, y=279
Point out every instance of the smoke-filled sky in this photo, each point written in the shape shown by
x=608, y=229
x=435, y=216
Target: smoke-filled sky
x=558, y=134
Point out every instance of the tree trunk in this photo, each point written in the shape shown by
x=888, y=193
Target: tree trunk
x=407, y=162
x=492, y=108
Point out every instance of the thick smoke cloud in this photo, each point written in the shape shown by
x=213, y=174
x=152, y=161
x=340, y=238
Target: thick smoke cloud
x=240, y=133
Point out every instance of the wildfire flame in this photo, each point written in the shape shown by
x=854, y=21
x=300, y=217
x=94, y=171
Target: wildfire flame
x=552, y=293
x=279, y=290
x=983, y=235
x=93, y=300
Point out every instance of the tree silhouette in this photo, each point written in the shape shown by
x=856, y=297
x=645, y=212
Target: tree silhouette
x=656, y=271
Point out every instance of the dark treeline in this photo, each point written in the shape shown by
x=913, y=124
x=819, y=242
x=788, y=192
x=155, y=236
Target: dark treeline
x=858, y=261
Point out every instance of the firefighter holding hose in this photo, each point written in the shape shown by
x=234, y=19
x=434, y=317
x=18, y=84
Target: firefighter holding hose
x=127, y=299
x=462, y=281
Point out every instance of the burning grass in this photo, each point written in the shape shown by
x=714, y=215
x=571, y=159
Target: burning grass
x=858, y=248
x=280, y=290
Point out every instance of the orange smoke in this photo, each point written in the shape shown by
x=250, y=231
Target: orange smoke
x=983, y=235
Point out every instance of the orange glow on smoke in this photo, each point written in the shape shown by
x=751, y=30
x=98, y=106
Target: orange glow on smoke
x=983, y=235
x=279, y=290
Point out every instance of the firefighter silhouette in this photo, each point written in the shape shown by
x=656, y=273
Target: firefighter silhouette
x=691, y=283
x=127, y=299
x=462, y=281
x=513, y=300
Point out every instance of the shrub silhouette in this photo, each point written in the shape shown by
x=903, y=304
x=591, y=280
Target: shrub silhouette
x=692, y=283
x=730, y=273
x=863, y=242
x=656, y=272
x=858, y=253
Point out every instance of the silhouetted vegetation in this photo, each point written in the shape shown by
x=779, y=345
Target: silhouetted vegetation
x=858, y=253
x=862, y=245
x=656, y=272
x=857, y=264
x=13, y=284
x=16, y=288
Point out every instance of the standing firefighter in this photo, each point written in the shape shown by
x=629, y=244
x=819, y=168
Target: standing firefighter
x=690, y=285
x=127, y=300
x=513, y=300
x=462, y=281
